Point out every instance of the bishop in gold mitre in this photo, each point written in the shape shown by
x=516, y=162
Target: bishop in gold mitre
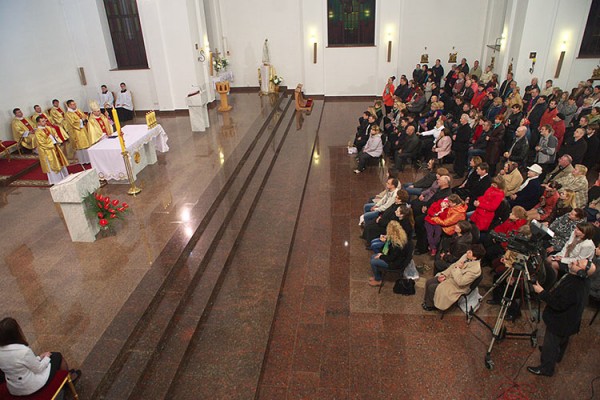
x=75, y=122
x=60, y=134
x=52, y=160
x=23, y=130
x=98, y=124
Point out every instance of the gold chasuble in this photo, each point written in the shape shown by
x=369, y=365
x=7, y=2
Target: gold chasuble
x=51, y=156
x=57, y=116
x=76, y=128
x=59, y=132
x=98, y=126
x=22, y=127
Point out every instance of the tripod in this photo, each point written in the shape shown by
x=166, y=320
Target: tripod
x=512, y=275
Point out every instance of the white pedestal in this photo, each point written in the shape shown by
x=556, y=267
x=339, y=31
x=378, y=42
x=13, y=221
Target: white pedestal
x=265, y=72
x=69, y=194
x=198, y=111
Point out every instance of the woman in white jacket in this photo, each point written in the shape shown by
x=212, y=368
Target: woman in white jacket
x=24, y=372
x=579, y=246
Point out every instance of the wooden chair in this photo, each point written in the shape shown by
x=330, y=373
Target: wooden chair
x=302, y=104
x=49, y=392
x=7, y=146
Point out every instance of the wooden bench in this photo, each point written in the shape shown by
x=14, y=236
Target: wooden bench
x=302, y=104
x=7, y=146
x=48, y=392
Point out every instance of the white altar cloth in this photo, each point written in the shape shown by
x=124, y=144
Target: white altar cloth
x=106, y=158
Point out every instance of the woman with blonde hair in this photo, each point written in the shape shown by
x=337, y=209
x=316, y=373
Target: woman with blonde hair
x=396, y=252
x=564, y=205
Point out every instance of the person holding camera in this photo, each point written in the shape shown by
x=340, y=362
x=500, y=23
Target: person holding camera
x=564, y=306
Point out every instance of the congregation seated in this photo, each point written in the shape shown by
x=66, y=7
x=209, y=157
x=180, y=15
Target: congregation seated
x=372, y=150
x=420, y=208
x=530, y=191
x=403, y=214
x=442, y=217
x=479, y=185
x=562, y=228
x=453, y=247
x=442, y=145
x=579, y=246
x=578, y=184
x=512, y=178
x=23, y=371
x=376, y=227
x=547, y=204
x=446, y=287
x=416, y=188
x=487, y=204
x=363, y=131
x=395, y=253
x=380, y=203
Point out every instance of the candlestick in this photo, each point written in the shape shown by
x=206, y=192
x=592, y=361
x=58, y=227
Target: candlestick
x=118, y=128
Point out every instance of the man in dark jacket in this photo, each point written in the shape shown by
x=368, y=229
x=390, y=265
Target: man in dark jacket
x=519, y=149
x=531, y=190
x=562, y=315
x=576, y=147
x=438, y=72
x=480, y=185
x=363, y=132
x=504, y=88
x=593, y=144
x=460, y=146
x=512, y=123
x=409, y=151
x=403, y=90
x=535, y=117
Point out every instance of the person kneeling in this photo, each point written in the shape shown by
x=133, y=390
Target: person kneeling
x=396, y=253
x=445, y=288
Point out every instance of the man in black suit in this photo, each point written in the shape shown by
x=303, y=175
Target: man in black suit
x=460, y=145
x=576, y=146
x=534, y=117
x=505, y=86
x=464, y=67
x=519, y=148
x=438, y=71
x=564, y=306
x=480, y=185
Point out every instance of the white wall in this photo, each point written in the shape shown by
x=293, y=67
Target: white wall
x=246, y=24
x=37, y=64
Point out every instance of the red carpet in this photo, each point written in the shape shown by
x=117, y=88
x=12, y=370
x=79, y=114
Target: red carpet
x=15, y=166
x=37, y=178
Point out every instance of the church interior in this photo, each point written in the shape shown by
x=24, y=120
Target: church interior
x=239, y=270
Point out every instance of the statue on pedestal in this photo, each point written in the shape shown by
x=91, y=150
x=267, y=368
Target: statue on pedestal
x=266, y=72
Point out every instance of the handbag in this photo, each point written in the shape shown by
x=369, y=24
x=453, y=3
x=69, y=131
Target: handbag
x=405, y=287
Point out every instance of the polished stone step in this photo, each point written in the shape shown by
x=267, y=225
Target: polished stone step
x=122, y=348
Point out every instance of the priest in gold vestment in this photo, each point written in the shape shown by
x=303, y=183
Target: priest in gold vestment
x=56, y=114
x=52, y=160
x=60, y=134
x=75, y=122
x=23, y=130
x=98, y=125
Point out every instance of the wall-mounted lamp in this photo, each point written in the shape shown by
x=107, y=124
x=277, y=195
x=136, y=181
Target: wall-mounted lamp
x=561, y=59
x=389, y=52
x=314, y=42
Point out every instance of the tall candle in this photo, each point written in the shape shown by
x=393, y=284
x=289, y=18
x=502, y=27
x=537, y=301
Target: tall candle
x=118, y=127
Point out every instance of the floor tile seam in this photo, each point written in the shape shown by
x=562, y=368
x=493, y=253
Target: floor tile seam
x=171, y=324
x=138, y=330
x=229, y=259
x=289, y=255
x=222, y=277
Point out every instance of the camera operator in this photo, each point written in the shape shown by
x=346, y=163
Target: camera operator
x=562, y=315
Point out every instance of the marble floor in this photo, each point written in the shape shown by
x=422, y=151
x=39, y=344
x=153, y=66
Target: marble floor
x=332, y=337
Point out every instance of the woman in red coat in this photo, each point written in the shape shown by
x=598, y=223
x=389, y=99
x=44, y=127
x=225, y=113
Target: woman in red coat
x=486, y=205
x=388, y=95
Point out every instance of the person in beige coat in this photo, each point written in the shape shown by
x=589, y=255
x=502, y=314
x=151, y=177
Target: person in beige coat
x=512, y=178
x=444, y=289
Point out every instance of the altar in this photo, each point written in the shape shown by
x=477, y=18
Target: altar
x=142, y=144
